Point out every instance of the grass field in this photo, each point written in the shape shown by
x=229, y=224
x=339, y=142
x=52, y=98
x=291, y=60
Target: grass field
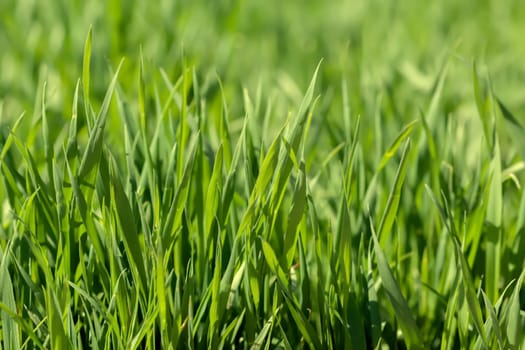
x=262, y=174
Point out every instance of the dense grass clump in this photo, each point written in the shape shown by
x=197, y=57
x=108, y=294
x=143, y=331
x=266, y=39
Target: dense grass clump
x=262, y=175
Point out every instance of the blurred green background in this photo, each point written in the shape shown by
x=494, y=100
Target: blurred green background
x=373, y=44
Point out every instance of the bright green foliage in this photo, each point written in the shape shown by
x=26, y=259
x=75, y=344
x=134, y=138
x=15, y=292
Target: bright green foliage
x=260, y=175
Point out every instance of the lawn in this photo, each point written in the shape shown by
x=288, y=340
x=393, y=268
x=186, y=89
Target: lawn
x=262, y=174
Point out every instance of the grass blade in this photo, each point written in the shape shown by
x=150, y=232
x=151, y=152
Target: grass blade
x=93, y=151
x=10, y=329
x=130, y=235
x=404, y=315
x=392, y=204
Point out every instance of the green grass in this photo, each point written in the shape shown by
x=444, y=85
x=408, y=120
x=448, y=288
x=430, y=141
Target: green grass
x=243, y=174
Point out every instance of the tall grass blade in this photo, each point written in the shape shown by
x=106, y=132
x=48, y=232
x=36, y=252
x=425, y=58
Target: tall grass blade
x=403, y=314
x=94, y=148
x=481, y=95
x=130, y=234
x=392, y=204
x=86, y=67
x=470, y=293
x=494, y=222
x=10, y=328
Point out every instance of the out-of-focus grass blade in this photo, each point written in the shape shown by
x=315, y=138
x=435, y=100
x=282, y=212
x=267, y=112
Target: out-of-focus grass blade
x=515, y=128
x=10, y=331
x=403, y=314
x=142, y=95
x=94, y=148
x=346, y=108
x=495, y=199
x=392, y=203
x=395, y=145
x=493, y=218
x=48, y=145
x=224, y=129
x=430, y=138
x=184, y=128
x=481, y=95
x=430, y=115
x=432, y=111
x=86, y=73
x=513, y=321
x=508, y=115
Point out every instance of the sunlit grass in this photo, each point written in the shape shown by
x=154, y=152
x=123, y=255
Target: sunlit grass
x=314, y=194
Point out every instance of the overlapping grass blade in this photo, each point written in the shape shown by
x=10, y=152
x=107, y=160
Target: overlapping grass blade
x=295, y=216
x=130, y=234
x=512, y=319
x=403, y=314
x=470, y=294
x=389, y=215
x=10, y=328
x=94, y=147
